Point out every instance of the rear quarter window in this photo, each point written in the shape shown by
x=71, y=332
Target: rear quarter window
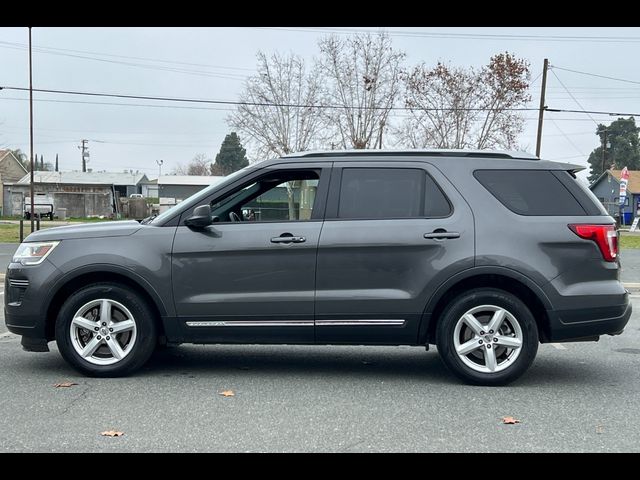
x=530, y=192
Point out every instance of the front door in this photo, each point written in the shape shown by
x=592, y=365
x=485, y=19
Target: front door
x=393, y=232
x=250, y=276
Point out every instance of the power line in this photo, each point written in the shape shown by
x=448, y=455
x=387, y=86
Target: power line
x=567, y=138
x=475, y=36
x=597, y=76
x=571, y=95
x=206, y=65
x=229, y=76
x=235, y=102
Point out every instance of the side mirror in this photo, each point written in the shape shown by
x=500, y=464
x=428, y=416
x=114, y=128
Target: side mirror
x=201, y=217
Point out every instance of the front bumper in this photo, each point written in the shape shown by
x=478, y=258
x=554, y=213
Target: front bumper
x=26, y=298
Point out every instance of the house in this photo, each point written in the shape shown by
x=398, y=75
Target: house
x=607, y=188
x=172, y=189
x=82, y=194
x=11, y=170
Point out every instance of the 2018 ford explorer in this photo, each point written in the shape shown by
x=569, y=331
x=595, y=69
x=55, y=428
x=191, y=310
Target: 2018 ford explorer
x=485, y=254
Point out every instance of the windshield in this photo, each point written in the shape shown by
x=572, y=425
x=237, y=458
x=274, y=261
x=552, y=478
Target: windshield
x=228, y=179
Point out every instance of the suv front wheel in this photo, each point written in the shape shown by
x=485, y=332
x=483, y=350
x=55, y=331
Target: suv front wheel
x=105, y=330
x=487, y=337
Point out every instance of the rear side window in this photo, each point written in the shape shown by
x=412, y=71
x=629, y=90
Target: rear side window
x=390, y=193
x=530, y=192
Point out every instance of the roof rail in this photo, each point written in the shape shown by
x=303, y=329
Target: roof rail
x=431, y=153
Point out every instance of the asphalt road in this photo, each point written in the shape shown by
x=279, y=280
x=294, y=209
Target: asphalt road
x=576, y=397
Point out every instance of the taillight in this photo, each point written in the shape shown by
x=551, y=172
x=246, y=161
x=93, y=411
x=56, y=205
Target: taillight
x=605, y=237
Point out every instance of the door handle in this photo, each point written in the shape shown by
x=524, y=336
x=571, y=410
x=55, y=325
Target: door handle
x=288, y=239
x=441, y=235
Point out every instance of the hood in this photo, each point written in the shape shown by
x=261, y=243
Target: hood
x=86, y=230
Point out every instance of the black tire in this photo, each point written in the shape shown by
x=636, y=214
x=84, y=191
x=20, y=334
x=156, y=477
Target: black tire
x=475, y=298
x=146, y=336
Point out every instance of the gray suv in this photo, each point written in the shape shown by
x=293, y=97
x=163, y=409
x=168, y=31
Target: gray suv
x=484, y=254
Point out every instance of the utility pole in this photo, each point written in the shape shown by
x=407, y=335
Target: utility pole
x=604, y=149
x=31, y=132
x=159, y=162
x=85, y=154
x=381, y=128
x=542, y=107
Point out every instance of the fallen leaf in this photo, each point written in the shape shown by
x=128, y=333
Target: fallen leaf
x=509, y=420
x=599, y=429
x=64, y=384
x=227, y=393
x=112, y=433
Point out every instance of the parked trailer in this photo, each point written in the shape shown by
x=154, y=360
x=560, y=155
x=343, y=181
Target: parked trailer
x=42, y=206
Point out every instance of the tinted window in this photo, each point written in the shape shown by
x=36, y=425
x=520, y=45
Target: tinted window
x=435, y=203
x=530, y=192
x=390, y=193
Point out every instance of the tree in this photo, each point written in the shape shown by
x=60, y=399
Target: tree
x=41, y=162
x=57, y=162
x=455, y=107
x=232, y=156
x=361, y=75
x=279, y=113
x=200, y=165
x=624, y=149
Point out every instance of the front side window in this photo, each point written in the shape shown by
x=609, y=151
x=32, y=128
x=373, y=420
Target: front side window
x=369, y=193
x=276, y=197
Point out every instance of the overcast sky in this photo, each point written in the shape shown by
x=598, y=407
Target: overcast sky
x=215, y=62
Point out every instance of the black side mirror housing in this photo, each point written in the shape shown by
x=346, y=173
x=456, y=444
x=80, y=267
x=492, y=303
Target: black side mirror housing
x=201, y=217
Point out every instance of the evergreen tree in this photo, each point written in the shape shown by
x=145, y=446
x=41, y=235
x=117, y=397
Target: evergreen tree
x=41, y=162
x=232, y=156
x=624, y=149
x=57, y=162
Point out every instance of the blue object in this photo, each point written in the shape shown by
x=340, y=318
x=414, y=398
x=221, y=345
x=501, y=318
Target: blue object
x=628, y=218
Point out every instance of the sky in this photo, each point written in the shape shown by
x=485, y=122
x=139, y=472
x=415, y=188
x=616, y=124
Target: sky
x=213, y=63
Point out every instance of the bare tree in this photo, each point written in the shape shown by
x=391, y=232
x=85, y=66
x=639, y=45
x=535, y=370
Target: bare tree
x=466, y=108
x=279, y=113
x=361, y=75
x=200, y=165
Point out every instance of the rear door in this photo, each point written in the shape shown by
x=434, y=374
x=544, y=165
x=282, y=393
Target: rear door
x=394, y=231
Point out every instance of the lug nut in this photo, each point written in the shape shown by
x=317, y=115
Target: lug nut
x=96, y=329
x=111, y=329
x=490, y=331
x=481, y=332
x=488, y=345
x=495, y=339
x=108, y=338
x=104, y=324
x=99, y=337
x=480, y=342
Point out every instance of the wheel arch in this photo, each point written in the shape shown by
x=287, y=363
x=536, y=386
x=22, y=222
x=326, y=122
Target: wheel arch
x=487, y=277
x=79, y=278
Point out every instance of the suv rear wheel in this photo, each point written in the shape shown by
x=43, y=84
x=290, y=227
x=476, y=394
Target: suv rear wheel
x=487, y=337
x=105, y=330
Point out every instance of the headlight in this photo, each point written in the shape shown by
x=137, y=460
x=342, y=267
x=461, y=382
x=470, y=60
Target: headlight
x=33, y=253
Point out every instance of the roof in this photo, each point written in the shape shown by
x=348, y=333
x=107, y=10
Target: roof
x=199, y=180
x=84, y=178
x=4, y=153
x=634, y=179
x=427, y=152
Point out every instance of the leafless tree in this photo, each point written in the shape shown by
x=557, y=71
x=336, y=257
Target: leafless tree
x=279, y=113
x=466, y=108
x=361, y=76
x=200, y=165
